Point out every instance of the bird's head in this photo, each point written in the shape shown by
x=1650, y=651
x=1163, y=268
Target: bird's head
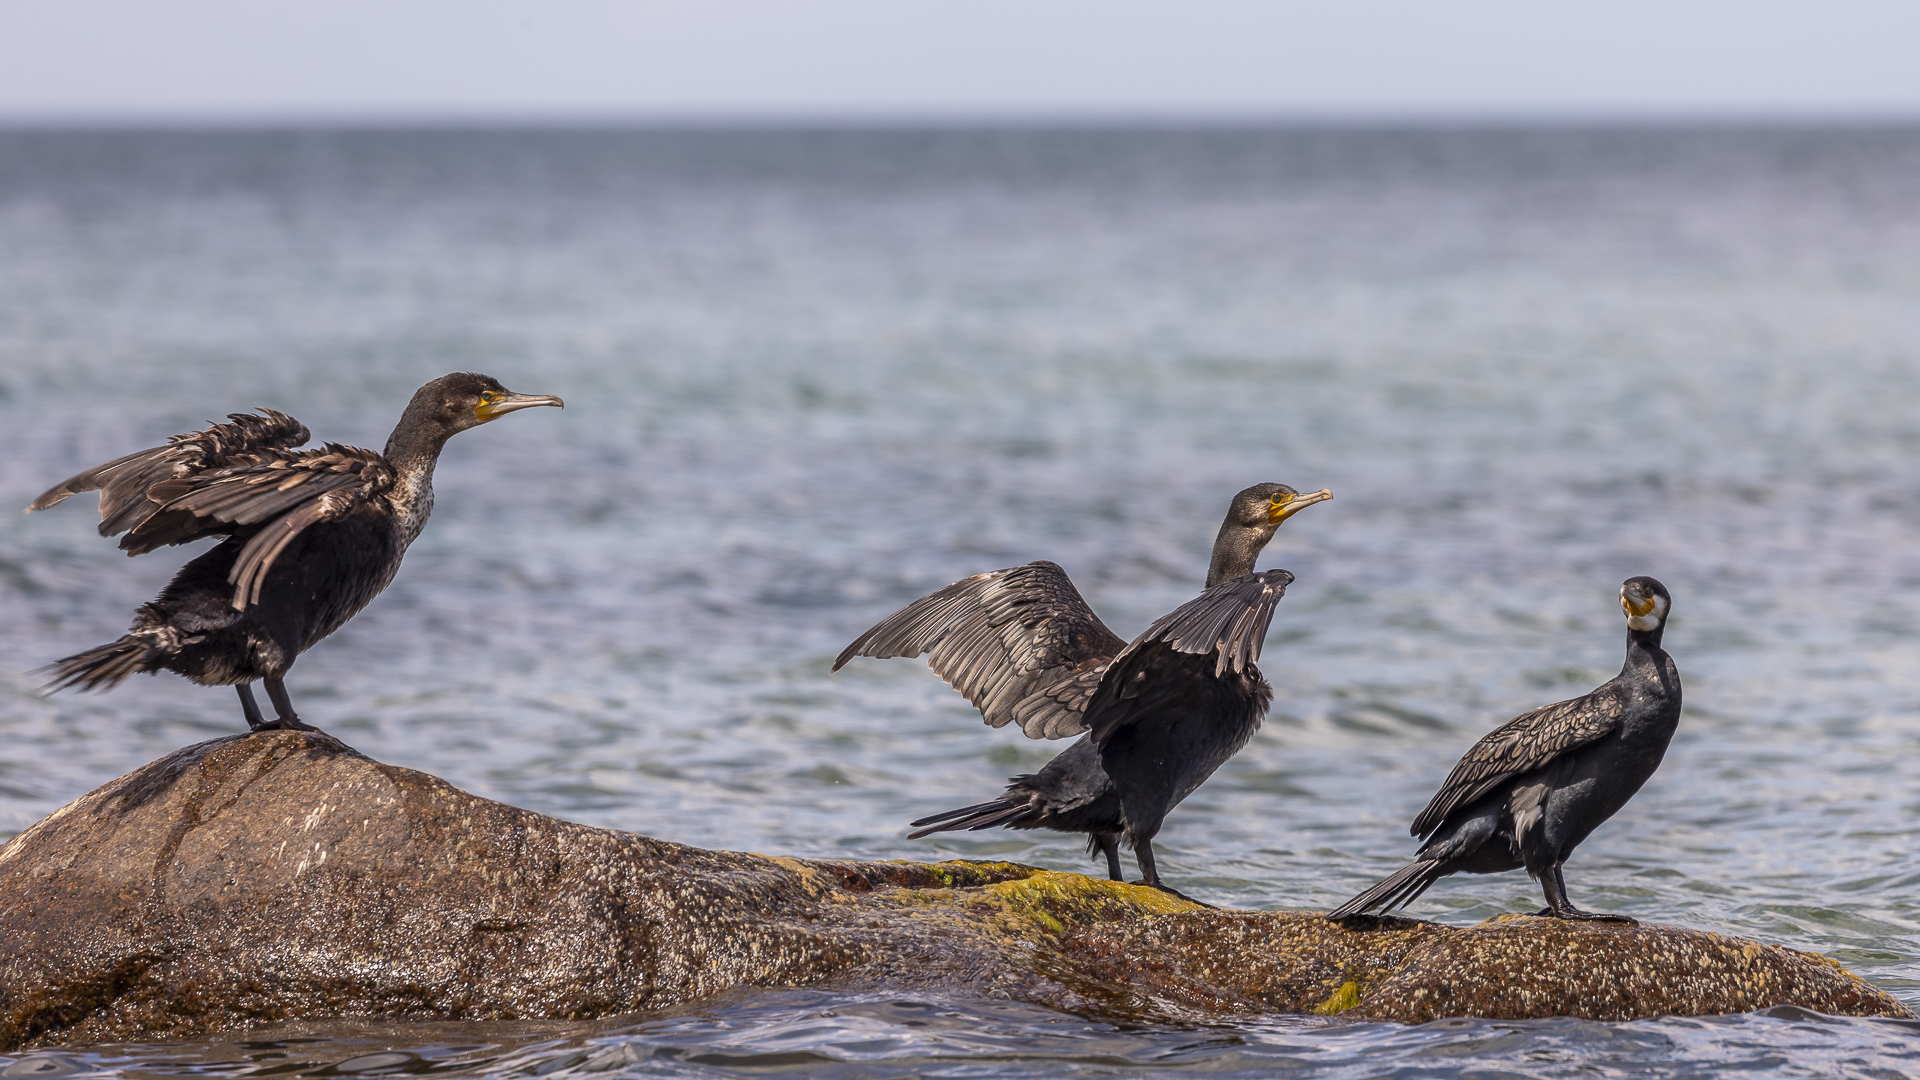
x=1251, y=520
x=1645, y=602
x=465, y=399
x=1265, y=506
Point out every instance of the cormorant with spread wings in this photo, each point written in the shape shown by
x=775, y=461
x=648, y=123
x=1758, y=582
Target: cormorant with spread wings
x=1529, y=792
x=1160, y=713
x=310, y=537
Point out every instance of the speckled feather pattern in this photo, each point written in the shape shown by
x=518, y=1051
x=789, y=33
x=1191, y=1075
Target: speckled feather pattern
x=1527, y=742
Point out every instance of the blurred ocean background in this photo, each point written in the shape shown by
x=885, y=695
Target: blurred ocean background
x=812, y=374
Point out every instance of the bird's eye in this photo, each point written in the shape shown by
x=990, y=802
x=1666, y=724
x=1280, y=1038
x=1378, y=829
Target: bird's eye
x=1280, y=497
x=487, y=396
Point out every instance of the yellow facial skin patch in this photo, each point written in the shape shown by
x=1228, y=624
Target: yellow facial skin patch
x=1283, y=506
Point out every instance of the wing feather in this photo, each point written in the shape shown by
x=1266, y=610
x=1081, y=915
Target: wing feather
x=1059, y=709
x=240, y=478
x=1527, y=742
x=271, y=502
x=125, y=483
x=249, y=571
x=1004, y=639
x=1228, y=620
x=1231, y=617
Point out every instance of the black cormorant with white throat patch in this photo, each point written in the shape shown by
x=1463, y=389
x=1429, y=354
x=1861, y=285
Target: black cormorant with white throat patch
x=310, y=537
x=1533, y=788
x=1161, y=714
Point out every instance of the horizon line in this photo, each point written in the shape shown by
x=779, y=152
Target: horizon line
x=742, y=119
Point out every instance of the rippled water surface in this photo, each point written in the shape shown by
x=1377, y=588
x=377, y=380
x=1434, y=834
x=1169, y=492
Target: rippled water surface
x=813, y=374
x=800, y=1034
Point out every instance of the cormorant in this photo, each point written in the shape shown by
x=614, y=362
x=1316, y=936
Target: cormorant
x=1534, y=787
x=1161, y=714
x=310, y=537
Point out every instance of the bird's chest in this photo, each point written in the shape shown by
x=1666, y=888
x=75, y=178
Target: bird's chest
x=1651, y=714
x=1195, y=732
x=409, y=504
x=345, y=565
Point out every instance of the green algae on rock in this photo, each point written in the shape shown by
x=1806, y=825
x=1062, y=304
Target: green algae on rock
x=282, y=875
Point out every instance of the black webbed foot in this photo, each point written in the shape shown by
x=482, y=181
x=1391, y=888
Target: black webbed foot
x=1554, y=882
x=287, y=720
x=1361, y=920
x=1574, y=914
x=1150, y=874
x=1166, y=888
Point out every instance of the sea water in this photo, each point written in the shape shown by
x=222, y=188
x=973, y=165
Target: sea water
x=812, y=374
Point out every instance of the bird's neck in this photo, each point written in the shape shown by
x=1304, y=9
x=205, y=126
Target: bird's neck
x=413, y=451
x=1643, y=646
x=1234, y=552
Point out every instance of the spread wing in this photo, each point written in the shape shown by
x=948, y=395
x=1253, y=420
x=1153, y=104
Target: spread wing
x=124, y=482
x=1527, y=742
x=271, y=501
x=1227, y=622
x=1019, y=643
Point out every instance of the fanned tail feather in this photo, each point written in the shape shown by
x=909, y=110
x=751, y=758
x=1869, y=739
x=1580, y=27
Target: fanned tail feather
x=984, y=815
x=1401, y=887
x=101, y=668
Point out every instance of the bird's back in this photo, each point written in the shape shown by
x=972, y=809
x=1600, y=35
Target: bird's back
x=1627, y=721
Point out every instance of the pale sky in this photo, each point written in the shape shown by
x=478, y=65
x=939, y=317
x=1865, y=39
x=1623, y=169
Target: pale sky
x=401, y=60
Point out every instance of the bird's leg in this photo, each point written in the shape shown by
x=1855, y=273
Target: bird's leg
x=1109, y=845
x=1556, y=891
x=251, y=707
x=1150, y=876
x=1559, y=907
x=1143, y=853
x=284, y=716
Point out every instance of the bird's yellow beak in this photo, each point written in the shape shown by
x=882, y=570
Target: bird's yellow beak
x=1285, y=506
x=1635, y=608
x=493, y=406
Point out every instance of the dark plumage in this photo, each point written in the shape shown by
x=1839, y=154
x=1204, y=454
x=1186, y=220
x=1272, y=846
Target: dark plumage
x=1161, y=714
x=1072, y=793
x=1529, y=792
x=311, y=536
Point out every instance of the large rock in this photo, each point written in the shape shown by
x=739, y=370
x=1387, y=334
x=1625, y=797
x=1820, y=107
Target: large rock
x=277, y=876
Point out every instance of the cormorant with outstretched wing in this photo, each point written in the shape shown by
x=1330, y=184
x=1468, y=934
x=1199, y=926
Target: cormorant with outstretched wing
x=310, y=537
x=1161, y=713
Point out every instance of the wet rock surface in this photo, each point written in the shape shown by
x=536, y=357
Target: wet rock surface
x=278, y=876
x=1206, y=964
